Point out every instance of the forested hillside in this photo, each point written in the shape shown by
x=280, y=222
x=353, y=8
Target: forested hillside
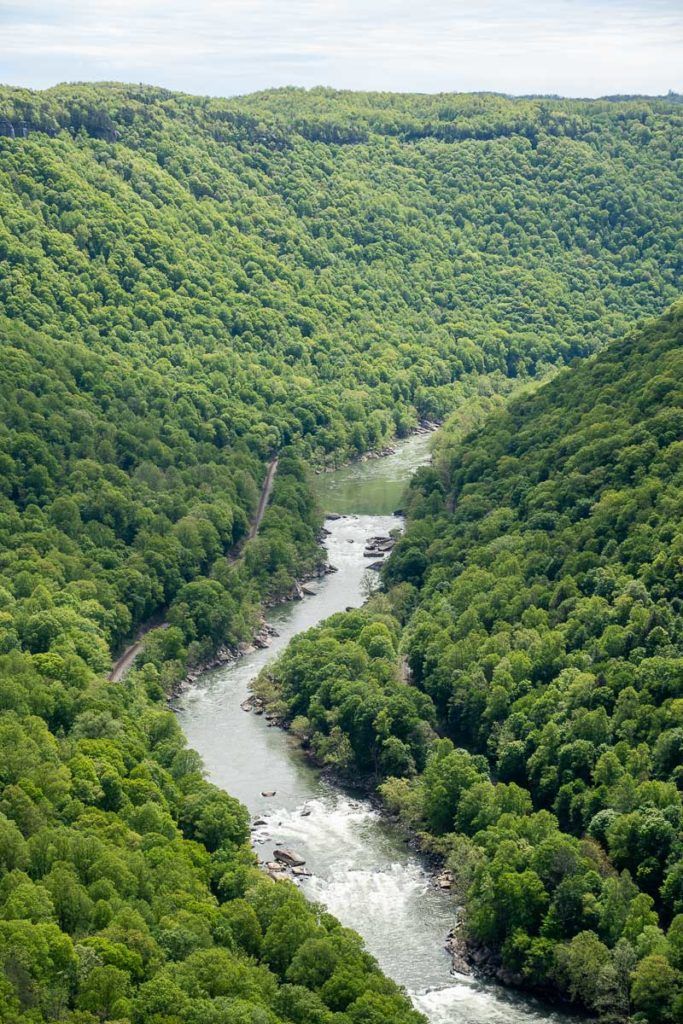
x=188, y=286
x=118, y=502
x=296, y=247
x=539, y=742
x=128, y=888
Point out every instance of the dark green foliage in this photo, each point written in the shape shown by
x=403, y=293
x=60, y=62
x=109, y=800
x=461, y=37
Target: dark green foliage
x=546, y=644
x=191, y=285
x=549, y=635
x=128, y=888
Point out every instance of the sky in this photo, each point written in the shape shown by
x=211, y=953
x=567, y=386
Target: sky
x=231, y=47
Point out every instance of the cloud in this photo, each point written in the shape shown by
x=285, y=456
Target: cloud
x=575, y=47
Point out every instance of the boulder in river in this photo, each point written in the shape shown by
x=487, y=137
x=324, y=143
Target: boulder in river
x=289, y=857
x=301, y=872
x=458, y=952
x=382, y=543
x=268, y=792
x=378, y=546
x=276, y=871
x=253, y=703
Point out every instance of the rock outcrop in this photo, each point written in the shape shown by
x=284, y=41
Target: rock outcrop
x=288, y=857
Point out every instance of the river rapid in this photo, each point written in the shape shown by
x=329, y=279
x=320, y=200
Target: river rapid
x=361, y=867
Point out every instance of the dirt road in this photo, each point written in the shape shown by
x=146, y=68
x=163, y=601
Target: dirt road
x=263, y=500
x=122, y=666
x=124, y=663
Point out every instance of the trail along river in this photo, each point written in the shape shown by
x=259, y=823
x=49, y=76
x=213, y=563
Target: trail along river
x=361, y=868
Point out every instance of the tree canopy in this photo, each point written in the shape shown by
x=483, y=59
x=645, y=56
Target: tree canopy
x=516, y=691
x=189, y=286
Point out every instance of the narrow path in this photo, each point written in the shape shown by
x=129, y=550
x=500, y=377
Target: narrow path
x=123, y=664
x=263, y=500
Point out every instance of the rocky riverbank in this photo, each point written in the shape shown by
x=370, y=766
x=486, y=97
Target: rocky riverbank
x=440, y=877
x=423, y=427
x=300, y=588
x=467, y=957
x=226, y=655
x=472, y=958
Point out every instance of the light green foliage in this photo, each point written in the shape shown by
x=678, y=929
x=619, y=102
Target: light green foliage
x=344, y=679
x=128, y=890
x=151, y=525
x=190, y=285
x=545, y=644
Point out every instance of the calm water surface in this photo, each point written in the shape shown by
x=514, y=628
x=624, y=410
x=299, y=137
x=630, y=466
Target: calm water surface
x=362, y=870
x=374, y=487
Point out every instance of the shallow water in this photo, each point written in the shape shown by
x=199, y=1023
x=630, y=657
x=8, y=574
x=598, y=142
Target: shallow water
x=362, y=870
x=374, y=487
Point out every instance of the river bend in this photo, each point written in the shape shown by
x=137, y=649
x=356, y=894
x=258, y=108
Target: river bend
x=361, y=868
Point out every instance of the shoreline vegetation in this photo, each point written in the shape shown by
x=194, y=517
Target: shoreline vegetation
x=476, y=748
x=471, y=412
x=226, y=654
x=189, y=284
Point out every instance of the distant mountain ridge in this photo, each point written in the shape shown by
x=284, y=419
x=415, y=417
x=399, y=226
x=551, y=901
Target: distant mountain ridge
x=190, y=286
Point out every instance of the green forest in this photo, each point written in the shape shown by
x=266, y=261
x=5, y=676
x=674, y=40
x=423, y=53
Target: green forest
x=536, y=599
x=190, y=286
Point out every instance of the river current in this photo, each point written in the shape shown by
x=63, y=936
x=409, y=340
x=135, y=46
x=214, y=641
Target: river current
x=361, y=868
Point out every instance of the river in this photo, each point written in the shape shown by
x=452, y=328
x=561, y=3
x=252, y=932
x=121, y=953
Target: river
x=361, y=868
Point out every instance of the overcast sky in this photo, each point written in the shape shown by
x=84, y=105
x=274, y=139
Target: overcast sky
x=228, y=47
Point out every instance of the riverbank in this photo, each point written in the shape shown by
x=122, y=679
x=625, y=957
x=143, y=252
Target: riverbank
x=364, y=869
x=227, y=655
x=262, y=637
x=468, y=957
x=424, y=427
